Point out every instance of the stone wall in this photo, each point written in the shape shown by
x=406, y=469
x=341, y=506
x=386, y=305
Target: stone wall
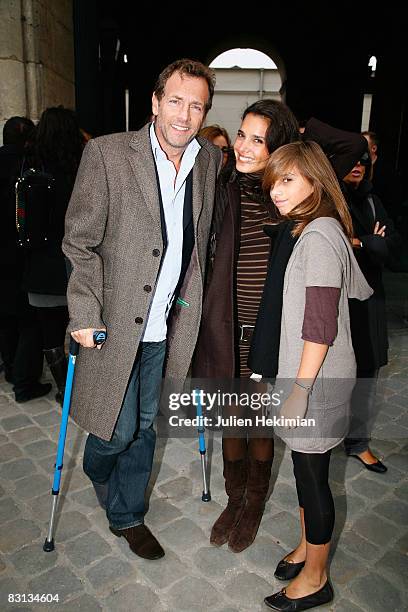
x=36, y=57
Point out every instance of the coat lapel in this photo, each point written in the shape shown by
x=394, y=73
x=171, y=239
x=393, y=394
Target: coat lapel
x=141, y=160
x=199, y=177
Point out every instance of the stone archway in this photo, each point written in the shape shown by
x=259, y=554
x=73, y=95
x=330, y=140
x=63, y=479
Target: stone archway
x=244, y=75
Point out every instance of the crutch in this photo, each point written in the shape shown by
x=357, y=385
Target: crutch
x=206, y=496
x=99, y=337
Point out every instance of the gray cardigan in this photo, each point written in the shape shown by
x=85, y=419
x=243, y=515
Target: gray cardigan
x=322, y=257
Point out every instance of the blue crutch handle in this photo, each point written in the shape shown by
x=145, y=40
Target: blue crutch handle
x=99, y=336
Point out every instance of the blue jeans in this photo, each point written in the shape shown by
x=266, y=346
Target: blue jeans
x=125, y=462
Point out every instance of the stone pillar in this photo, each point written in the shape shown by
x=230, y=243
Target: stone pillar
x=12, y=75
x=36, y=57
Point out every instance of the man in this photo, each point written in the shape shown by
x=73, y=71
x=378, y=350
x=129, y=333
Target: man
x=20, y=337
x=387, y=182
x=372, y=140
x=136, y=234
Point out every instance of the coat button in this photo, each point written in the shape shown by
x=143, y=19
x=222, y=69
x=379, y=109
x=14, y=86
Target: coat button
x=147, y=288
x=155, y=252
x=139, y=320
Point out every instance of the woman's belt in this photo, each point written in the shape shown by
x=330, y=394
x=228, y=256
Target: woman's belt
x=245, y=332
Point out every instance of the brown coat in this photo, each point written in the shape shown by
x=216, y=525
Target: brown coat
x=217, y=345
x=112, y=235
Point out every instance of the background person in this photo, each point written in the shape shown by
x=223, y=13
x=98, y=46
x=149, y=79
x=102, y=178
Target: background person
x=20, y=336
x=57, y=150
x=387, y=183
x=375, y=242
x=218, y=136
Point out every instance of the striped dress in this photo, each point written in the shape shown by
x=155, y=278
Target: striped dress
x=251, y=269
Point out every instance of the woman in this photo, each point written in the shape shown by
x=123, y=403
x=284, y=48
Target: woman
x=375, y=241
x=20, y=343
x=238, y=263
x=57, y=150
x=218, y=136
x=320, y=276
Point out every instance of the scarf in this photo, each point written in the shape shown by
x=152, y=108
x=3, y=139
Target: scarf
x=264, y=352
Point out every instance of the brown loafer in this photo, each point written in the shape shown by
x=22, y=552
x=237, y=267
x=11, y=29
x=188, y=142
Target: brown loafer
x=141, y=541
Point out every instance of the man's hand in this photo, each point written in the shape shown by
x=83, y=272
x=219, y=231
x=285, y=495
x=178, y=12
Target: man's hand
x=84, y=337
x=296, y=405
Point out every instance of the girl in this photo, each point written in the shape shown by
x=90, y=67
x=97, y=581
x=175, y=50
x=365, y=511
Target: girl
x=316, y=356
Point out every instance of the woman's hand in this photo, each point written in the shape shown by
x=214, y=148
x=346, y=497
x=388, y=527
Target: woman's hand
x=379, y=231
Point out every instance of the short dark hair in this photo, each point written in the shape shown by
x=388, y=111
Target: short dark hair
x=372, y=136
x=190, y=68
x=17, y=130
x=283, y=126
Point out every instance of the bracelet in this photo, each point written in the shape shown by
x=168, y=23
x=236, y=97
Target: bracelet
x=308, y=389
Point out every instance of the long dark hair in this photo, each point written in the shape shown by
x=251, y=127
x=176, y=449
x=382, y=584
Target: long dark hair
x=18, y=131
x=283, y=128
x=58, y=140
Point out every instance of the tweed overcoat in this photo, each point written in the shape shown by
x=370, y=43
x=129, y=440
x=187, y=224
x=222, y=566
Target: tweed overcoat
x=113, y=240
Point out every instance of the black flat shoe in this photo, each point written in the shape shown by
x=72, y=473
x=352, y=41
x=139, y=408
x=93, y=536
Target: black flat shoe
x=378, y=466
x=280, y=601
x=285, y=570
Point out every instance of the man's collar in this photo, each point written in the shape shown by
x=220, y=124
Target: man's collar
x=192, y=148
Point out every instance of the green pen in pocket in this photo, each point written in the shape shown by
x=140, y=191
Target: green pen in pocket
x=182, y=302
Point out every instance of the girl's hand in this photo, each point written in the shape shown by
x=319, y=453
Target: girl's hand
x=295, y=407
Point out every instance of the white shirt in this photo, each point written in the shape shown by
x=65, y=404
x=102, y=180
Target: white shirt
x=172, y=187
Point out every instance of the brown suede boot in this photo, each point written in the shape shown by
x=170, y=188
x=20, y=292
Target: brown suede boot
x=244, y=532
x=235, y=474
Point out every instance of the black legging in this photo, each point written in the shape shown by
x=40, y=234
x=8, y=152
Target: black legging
x=312, y=484
x=53, y=322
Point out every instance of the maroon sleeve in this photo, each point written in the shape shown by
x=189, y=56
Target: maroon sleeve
x=321, y=312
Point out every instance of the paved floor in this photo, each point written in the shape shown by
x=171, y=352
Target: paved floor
x=92, y=570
